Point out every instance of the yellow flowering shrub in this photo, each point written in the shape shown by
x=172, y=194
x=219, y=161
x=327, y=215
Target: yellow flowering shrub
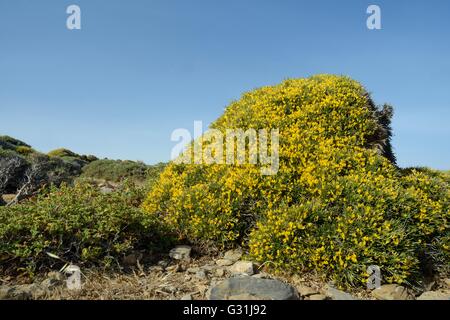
x=337, y=204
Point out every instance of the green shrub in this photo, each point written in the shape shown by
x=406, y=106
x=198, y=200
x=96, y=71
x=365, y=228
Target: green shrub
x=7, y=142
x=115, y=170
x=78, y=224
x=61, y=152
x=338, y=203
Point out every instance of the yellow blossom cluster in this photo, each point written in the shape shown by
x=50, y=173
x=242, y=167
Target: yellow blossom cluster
x=336, y=206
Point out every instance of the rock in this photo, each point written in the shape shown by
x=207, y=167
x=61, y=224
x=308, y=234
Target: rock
x=336, y=294
x=180, y=252
x=186, y=297
x=35, y=291
x=55, y=275
x=233, y=255
x=224, y=262
x=392, y=292
x=132, y=259
x=435, y=295
x=306, y=291
x=317, y=297
x=4, y=292
x=51, y=283
x=220, y=272
x=201, y=274
x=252, y=289
x=242, y=267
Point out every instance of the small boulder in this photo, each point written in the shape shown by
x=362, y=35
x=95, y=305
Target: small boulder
x=186, y=297
x=392, y=292
x=242, y=267
x=336, y=294
x=435, y=295
x=35, y=291
x=250, y=288
x=180, y=252
x=317, y=297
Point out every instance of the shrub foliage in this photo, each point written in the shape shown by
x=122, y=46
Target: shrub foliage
x=338, y=203
x=79, y=224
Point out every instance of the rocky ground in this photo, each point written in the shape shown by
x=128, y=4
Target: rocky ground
x=181, y=276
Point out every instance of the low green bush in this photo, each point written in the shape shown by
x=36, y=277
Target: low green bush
x=61, y=152
x=79, y=224
x=118, y=170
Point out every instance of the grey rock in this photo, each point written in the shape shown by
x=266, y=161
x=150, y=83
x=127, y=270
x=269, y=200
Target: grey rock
x=233, y=255
x=34, y=290
x=180, y=252
x=173, y=268
x=51, y=284
x=186, y=297
x=163, y=263
x=15, y=293
x=106, y=190
x=254, y=288
x=201, y=274
x=435, y=295
x=193, y=270
x=242, y=267
x=336, y=294
x=224, y=262
x=392, y=292
x=4, y=292
x=220, y=272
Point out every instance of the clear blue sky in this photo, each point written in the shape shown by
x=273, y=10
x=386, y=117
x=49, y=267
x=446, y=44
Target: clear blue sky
x=137, y=70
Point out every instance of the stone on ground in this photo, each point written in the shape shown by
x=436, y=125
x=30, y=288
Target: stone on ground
x=180, y=252
x=336, y=294
x=435, y=295
x=242, y=267
x=252, y=289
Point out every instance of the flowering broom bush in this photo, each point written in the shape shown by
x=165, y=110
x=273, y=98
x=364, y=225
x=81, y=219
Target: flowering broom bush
x=338, y=203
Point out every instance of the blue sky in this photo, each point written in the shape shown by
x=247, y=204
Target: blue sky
x=137, y=70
